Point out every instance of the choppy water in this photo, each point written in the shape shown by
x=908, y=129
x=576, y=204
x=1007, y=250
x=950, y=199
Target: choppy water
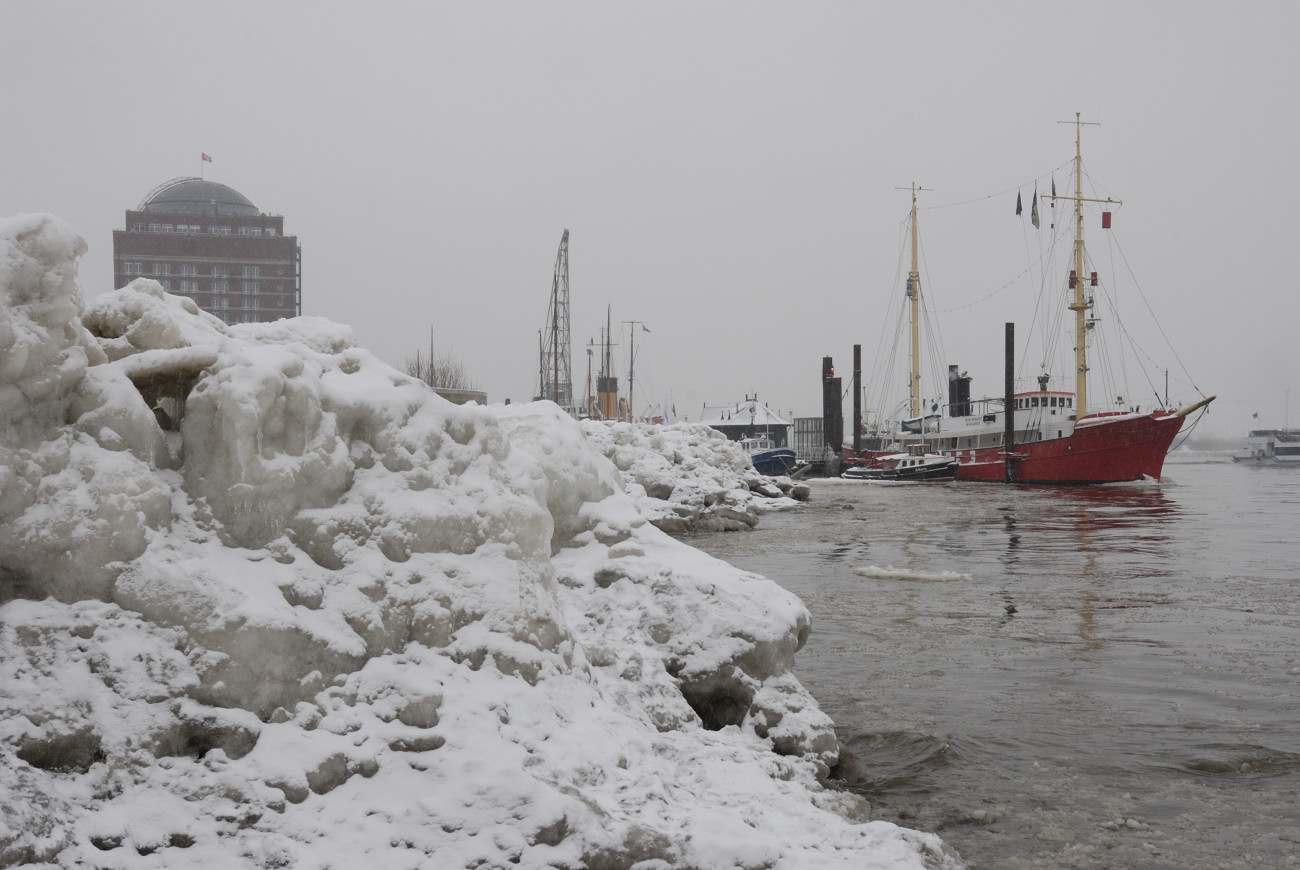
x=1097, y=677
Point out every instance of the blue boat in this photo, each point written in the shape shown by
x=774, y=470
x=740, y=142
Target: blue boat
x=767, y=457
x=765, y=434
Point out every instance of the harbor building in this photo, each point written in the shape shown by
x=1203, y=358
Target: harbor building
x=208, y=242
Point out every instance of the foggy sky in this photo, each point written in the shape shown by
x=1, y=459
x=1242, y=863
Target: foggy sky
x=728, y=172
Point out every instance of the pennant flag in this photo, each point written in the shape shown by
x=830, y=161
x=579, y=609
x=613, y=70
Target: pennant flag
x=645, y=328
x=1019, y=207
x=207, y=159
x=1033, y=211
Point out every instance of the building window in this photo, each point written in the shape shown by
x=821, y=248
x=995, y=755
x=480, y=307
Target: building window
x=155, y=228
x=135, y=268
x=220, y=270
x=250, y=231
x=162, y=269
x=250, y=287
x=270, y=231
x=137, y=228
x=252, y=271
x=189, y=270
x=250, y=317
x=166, y=284
x=220, y=286
x=218, y=231
x=220, y=303
x=189, y=286
x=250, y=303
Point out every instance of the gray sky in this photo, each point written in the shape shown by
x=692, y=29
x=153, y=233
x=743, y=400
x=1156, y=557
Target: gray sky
x=727, y=171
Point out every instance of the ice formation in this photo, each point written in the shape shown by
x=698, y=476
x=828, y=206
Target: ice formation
x=266, y=602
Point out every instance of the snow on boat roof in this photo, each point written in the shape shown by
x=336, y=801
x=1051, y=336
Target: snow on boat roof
x=750, y=411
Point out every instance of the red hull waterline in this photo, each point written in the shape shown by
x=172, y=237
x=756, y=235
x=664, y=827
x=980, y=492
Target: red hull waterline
x=1102, y=449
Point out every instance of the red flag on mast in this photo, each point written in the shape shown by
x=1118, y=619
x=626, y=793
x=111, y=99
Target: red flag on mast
x=207, y=159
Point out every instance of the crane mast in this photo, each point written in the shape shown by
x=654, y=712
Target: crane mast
x=556, y=371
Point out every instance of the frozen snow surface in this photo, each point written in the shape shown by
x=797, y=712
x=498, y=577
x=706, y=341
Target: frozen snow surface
x=266, y=602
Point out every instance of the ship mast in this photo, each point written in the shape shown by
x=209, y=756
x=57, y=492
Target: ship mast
x=1080, y=302
x=914, y=293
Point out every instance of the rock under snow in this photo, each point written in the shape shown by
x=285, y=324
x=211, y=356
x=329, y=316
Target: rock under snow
x=267, y=602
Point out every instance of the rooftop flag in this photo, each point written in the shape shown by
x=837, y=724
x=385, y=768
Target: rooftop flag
x=1019, y=207
x=207, y=159
x=1033, y=211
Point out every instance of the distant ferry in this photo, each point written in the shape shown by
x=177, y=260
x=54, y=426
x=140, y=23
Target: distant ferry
x=1281, y=446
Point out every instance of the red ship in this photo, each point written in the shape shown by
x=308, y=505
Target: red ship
x=1052, y=438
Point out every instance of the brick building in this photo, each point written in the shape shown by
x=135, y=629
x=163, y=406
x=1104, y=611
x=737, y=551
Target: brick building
x=206, y=241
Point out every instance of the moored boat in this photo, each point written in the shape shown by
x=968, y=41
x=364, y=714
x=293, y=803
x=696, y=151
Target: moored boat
x=763, y=433
x=1053, y=437
x=911, y=467
x=767, y=457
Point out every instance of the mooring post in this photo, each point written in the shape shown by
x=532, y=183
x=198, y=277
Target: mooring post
x=1009, y=435
x=857, y=400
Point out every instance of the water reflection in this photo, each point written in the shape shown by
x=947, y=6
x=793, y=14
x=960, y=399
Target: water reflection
x=1112, y=653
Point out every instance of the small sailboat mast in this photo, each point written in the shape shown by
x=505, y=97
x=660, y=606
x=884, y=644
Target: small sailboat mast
x=1080, y=302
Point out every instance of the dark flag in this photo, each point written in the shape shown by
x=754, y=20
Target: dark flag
x=1019, y=208
x=1033, y=211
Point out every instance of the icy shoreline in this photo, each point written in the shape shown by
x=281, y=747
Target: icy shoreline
x=269, y=603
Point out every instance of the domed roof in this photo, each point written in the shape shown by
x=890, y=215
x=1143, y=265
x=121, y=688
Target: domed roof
x=198, y=196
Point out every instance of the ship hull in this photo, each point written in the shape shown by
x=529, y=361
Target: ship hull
x=773, y=463
x=1104, y=449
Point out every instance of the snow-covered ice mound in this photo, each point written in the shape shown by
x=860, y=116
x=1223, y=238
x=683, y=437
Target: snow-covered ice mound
x=266, y=602
x=688, y=477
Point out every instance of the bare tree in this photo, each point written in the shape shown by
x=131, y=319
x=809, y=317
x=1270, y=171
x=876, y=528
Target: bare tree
x=438, y=369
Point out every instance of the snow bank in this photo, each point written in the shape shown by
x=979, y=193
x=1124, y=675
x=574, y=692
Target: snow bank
x=266, y=602
x=688, y=477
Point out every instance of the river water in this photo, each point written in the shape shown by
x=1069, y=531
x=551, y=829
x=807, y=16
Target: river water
x=1087, y=677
